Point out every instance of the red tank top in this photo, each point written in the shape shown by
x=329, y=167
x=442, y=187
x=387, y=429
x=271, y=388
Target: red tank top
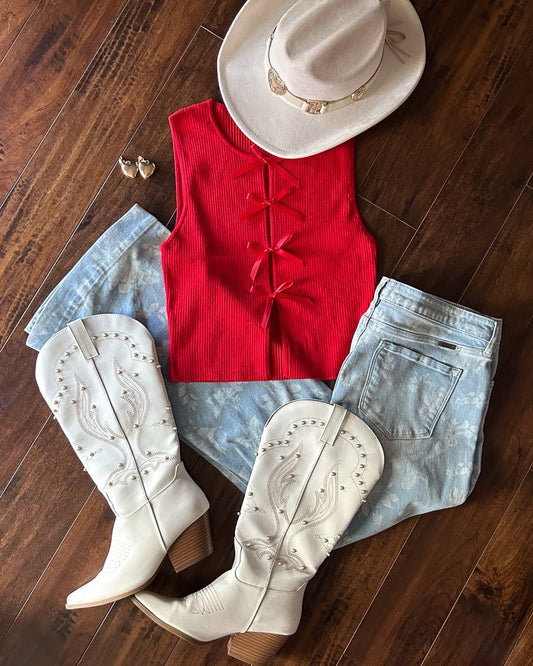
x=269, y=267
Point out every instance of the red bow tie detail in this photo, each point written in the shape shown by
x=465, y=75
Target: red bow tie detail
x=263, y=251
x=280, y=292
x=269, y=160
x=262, y=204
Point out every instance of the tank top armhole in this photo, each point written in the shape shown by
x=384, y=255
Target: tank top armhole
x=179, y=171
x=354, y=206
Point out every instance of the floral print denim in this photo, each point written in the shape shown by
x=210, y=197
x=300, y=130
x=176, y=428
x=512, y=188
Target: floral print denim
x=419, y=373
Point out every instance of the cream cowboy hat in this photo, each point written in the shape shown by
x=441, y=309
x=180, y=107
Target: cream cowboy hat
x=301, y=77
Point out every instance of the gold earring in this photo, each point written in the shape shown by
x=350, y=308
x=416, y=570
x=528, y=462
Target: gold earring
x=128, y=168
x=146, y=168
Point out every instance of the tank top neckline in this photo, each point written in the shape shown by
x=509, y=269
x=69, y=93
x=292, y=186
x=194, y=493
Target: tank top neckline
x=248, y=266
x=213, y=107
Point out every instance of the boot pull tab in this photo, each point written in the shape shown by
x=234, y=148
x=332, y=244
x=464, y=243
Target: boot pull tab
x=334, y=424
x=83, y=339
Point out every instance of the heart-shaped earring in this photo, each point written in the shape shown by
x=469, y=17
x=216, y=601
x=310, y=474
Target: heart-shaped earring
x=146, y=168
x=128, y=167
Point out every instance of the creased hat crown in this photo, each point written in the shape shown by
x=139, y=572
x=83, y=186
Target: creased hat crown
x=326, y=49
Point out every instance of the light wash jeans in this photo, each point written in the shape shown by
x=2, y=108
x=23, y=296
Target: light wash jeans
x=419, y=373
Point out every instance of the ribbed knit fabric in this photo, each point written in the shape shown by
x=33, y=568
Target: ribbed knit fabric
x=269, y=267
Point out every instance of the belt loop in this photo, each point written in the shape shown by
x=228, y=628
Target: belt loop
x=83, y=339
x=493, y=346
x=381, y=286
x=377, y=296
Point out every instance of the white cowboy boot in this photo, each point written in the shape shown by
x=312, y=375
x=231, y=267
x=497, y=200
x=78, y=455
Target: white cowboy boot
x=101, y=378
x=316, y=464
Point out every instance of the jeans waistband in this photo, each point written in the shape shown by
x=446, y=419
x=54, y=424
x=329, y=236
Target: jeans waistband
x=439, y=310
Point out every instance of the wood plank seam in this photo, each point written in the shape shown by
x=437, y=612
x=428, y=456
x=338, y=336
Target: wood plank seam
x=465, y=148
x=228, y=557
x=448, y=130
x=211, y=32
x=496, y=236
x=475, y=565
x=45, y=569
x=158, y=94
x=387, y=212
x=58, y=114
x=104, y=620
x=53, y=556
x=45, y=277
x=94, y=639
x=87, y=68
x=104, y=181
x=24, y=457
x=376, y=157
x=168, y=223
x=364, y=177
x=378, y=588
x=528, y=628
x=400, y=550
x=20, y=32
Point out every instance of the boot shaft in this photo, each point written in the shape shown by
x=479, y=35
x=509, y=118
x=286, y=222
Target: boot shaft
x=101, y=378
x=315, y=466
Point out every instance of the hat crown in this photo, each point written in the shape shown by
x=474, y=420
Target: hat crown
x=327, y=49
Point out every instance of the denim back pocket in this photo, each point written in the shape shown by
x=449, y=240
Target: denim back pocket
x=406, y=391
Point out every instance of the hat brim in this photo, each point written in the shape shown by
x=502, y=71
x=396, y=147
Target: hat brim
x=286, y=131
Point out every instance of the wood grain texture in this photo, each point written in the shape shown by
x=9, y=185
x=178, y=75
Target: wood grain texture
x=105, y=108
x=523, y=648
x=443, y=549
x=117, y=192
x=455, y=156
x=502, y=284
x=71, y=635
x=415, y=620
x=391, y=235
x=56, y=47
x=196, y=71
x=20, y=424
x=60, y=636
x=221, y=16
x=26, y=526
x=339, y=595
x=136, y=631
x=23, y=412
x=470, y=50
x=125, y=618
x=493, y=609
x=12, y=20
x=479, y=194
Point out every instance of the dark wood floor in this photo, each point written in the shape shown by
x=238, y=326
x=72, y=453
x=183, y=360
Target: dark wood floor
x=444, y=185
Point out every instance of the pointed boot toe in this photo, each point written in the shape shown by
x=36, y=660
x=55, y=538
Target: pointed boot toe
x=315, y=466
x=98, y=592
x=80, y=598
x=101, y=378
x=164, y=612
x=151, y=602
